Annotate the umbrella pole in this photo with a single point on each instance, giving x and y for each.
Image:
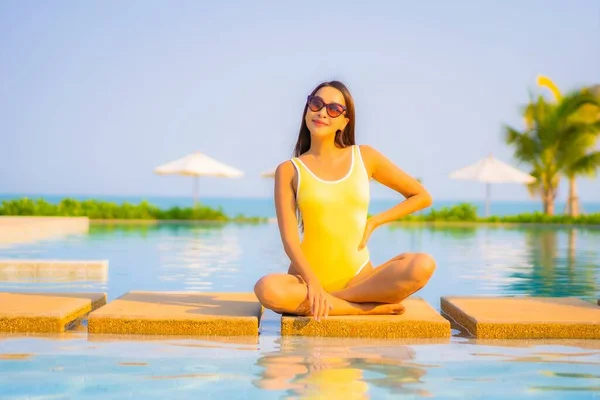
(195, 191)
(487, 199)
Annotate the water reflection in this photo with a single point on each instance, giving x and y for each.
(199, 256)
(194, 255)
(143, 229)
(503, 259)
(320, 368)
(554, 267)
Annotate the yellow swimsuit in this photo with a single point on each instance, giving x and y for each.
(334, 214)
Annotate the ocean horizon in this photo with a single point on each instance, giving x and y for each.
(265, 207)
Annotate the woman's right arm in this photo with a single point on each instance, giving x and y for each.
(285, 206)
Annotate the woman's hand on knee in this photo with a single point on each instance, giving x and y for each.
(318, 301)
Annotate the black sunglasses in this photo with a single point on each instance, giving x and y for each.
(334, 110)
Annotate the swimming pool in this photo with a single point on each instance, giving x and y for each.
(209, 257)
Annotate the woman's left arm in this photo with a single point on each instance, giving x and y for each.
(387, 173)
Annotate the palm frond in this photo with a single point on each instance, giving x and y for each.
(586, 165)
(535, 188)
(573, 101)
(525, 145)
(578, 135)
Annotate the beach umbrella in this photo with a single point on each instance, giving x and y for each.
(491, 170)
(268, 174)
(196, 165)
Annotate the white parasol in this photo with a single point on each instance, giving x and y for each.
(196, 165)
(491, 170)
(268, 174)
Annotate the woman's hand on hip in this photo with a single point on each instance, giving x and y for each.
(369, 228)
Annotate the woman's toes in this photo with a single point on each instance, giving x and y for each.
(398, 309)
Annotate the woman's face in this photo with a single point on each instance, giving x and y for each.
(320, 122)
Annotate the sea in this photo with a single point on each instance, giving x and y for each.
(265, 206)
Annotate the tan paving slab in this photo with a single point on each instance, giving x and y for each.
(179, 313)
(420, 320)
(27, 229)
(22, 270)
(45, 312)
(524, 317)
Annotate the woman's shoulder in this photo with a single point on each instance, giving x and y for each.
(285, 169)
(368, 152)
(366, 148)
(371, 157)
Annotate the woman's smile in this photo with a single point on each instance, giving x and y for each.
(319, 123)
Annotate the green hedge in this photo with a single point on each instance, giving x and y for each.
(95, 209)
(541, 218)
(466, 212)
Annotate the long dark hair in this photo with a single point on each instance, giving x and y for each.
(342, 139)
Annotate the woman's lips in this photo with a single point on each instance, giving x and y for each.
(319, 123)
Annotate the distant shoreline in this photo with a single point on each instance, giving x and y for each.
(102, 211)
(456, 224)
(264, 207)
(140, 197)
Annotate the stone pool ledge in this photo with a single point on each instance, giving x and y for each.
(27, 229)
(523, 317)
(419, 321)
(179, 313)
(33, 312)
(19, 270)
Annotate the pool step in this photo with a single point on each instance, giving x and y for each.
(420, 320)
(179, 313)
(45, 312)
(27, 229)
(239, 314)
(19, 270)
(524, 317)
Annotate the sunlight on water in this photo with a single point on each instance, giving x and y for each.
(204, 257)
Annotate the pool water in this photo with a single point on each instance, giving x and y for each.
(209, 257)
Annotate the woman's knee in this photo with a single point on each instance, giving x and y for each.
(423, 267)
(264, 288)
(417, 266)
(270, 292)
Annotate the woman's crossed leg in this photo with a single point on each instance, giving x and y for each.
(374, 291)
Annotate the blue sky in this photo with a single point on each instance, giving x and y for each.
(94, 95)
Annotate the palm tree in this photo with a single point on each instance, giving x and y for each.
(580, 161)
(549, 140)
(581, 158)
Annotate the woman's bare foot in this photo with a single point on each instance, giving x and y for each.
(363, 309)
(383, 309)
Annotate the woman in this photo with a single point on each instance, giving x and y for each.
(328, 183)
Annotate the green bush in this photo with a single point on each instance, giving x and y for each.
(96, 209)
(541, 218)
(465, 212)
(458, 212)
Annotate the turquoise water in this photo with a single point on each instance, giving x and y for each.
(208, 257)
(264, 207)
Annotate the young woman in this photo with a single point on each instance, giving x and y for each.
(328, 183)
